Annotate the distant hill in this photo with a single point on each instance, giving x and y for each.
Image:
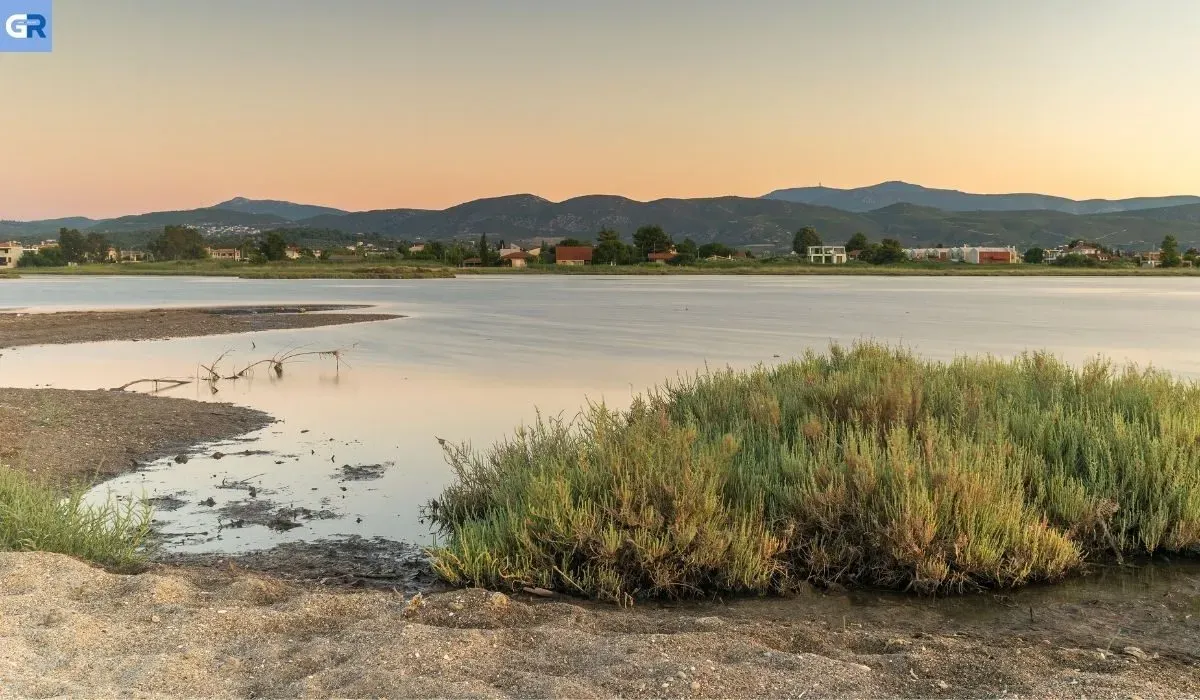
(769, 223)
(43, 228)
(274, 207)
(209, 216)
(740, 221)
(864, 199)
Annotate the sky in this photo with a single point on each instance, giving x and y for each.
(148, 105)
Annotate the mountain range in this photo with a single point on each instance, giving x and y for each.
(767, 222)
(862, 199)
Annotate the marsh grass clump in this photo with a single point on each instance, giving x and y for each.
(38, 517)
(861, 466)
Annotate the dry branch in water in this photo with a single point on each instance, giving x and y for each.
(165, 384)
(275, 363)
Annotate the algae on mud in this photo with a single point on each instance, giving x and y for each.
(864, 466)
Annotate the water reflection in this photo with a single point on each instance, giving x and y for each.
(475, 357)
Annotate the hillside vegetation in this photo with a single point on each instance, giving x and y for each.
(865, 466)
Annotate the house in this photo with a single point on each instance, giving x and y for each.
(418, 248)
(976, 255)
(10, 253)
(1151, 258)
(472, 262)
(827, 254)
(509, 249)
(131, 256)
(292, 252)
(517, 258)
(1087, 250)
(112, 255)
(234, 254)
(931, 254)
(664, 257)
(573, 255)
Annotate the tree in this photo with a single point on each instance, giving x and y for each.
(96, 247)
(610, 249)
(804, 238)
(857, 242)
(46, 257)
(651, 239)
(179, 243)
(273, 247)
(73, 245)
(886, 252)
(1035, 256)
(687, 253)
(484, 253)
(1170, 253)
(719, 250)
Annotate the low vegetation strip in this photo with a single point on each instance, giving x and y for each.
(36, 516)
(864, 466)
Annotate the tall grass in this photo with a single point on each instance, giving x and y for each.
(863, 466)
(38, 517)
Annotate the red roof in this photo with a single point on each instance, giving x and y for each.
(582, 253)
(655, 257)
(518, 255)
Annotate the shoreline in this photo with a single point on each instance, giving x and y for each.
(19, 329)
(402, 270)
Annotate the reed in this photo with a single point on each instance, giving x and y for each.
(861, 466)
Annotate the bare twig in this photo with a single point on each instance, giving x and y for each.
(166, 384)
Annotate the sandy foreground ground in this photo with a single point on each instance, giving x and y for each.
(17, 329)
(68, 629)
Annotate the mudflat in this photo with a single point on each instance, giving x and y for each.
(86, 436)
(17, 329)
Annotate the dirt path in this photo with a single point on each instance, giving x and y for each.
(67, 629)
(17, 329)
(91, 435)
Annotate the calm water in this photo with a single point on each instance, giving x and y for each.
(477, 356)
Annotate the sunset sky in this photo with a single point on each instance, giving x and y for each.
(364, 104)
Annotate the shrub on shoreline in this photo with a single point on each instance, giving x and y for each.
(39, 517)
(863, 466)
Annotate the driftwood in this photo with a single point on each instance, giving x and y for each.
(275, 363)
(165, 384)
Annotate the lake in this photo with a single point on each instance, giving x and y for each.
(477, 356)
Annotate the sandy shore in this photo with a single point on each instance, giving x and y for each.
(67, 629)
(17, 329)
(67, 436)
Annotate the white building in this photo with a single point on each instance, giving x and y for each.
(827, 254)
(10, 253)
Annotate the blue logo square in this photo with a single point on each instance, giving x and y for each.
(26, 26)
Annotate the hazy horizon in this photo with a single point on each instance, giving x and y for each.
(151, 105)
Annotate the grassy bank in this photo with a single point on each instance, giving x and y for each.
(282, 270)
(865, 466)
(35, 516)
(375, 269)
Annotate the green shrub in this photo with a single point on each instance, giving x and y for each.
(38, 517)
(862, 466)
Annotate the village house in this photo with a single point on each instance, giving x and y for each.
(418, 248)
(233, 254)
(131, 256)
(573, 255)
(292, 252)
(978, 255)
(472, 262)
(1087, 250)
(518, 258)
(664, 257)
(1152, 258)
(827, 254)
(10, 253)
